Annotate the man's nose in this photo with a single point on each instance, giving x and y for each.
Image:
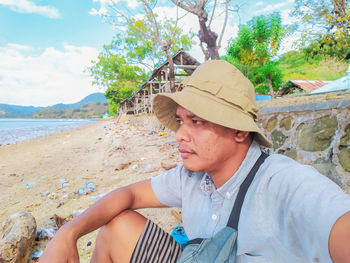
(182, 133)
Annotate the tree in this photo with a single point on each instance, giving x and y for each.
(326, 26)
(121, 79)
(125, 63)
(253, 51)
(147, 35)
(206, 35)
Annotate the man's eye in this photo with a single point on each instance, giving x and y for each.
(196, 121)
(179, 121)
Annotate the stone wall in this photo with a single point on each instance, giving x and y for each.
(316, 133)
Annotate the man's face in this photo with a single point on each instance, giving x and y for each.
(204, 146)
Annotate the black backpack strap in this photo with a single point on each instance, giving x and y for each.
(236, 210)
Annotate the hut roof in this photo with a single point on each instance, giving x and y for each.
(309, 85)
(181, 59)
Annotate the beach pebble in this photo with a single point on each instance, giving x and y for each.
(122, 166)
(12, 174)
(135, 166)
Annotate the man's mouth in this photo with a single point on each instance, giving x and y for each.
(185, 153)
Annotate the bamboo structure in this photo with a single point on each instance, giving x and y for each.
(158, 82)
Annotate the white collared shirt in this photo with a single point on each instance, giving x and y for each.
(286, 216)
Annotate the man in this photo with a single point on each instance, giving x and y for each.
(290, 213)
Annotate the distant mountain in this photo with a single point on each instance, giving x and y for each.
(15, 111)
(90, 99)
(92, 106)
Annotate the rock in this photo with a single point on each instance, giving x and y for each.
(345, 140)
(291, 153)
(168, 165)
(271, 124)
(344, 159)
(317, 137)
(327, 168)
(17, 234)
(287, 123)
(278, 139)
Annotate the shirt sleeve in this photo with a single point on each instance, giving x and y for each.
(167, 186)
(308, 206)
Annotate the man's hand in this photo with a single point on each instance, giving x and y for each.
(61, 249)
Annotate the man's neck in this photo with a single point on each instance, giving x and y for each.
(229, 166)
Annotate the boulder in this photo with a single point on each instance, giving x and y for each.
(17, 235)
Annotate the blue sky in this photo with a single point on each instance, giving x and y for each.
(45, 46)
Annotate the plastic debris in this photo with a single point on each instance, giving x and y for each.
(36, 255)
(147, 169)
(151, 132)
(63, 180)
(90, 186)
(95, 197)
(81, 191)
(44, 233)
(77, 212)
(31, 185)
(46, 193)
(89, 149)
(65, 184)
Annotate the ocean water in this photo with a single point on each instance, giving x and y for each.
(17, 130)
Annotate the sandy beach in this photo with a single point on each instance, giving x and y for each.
(107, 153)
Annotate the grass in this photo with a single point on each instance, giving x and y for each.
(296, 66)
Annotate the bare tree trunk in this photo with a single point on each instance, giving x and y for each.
(269, 83)
(171, 71)
(209, 37)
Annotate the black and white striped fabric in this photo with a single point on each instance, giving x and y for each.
(155, 245)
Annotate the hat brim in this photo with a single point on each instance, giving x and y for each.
(208, 107)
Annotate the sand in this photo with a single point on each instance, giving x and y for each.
(108, 153)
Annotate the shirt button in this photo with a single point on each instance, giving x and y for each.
(214, 217)
(228, 195)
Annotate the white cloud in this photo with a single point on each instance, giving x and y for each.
(51, 77)
(26, 6)
(275, 7)
(259, 3)
(103, 8)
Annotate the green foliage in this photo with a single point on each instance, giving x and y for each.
(325, 28)
(255, 47)
(117, 67)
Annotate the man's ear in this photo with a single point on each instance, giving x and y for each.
(241, 136)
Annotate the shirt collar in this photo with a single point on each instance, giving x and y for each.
(207, 184)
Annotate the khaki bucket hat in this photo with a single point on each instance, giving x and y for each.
(217, 92)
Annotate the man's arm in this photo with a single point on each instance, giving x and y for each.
(62, 247)
(339, 240)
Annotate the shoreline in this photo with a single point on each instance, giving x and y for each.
(36, 128)
(104, 152)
